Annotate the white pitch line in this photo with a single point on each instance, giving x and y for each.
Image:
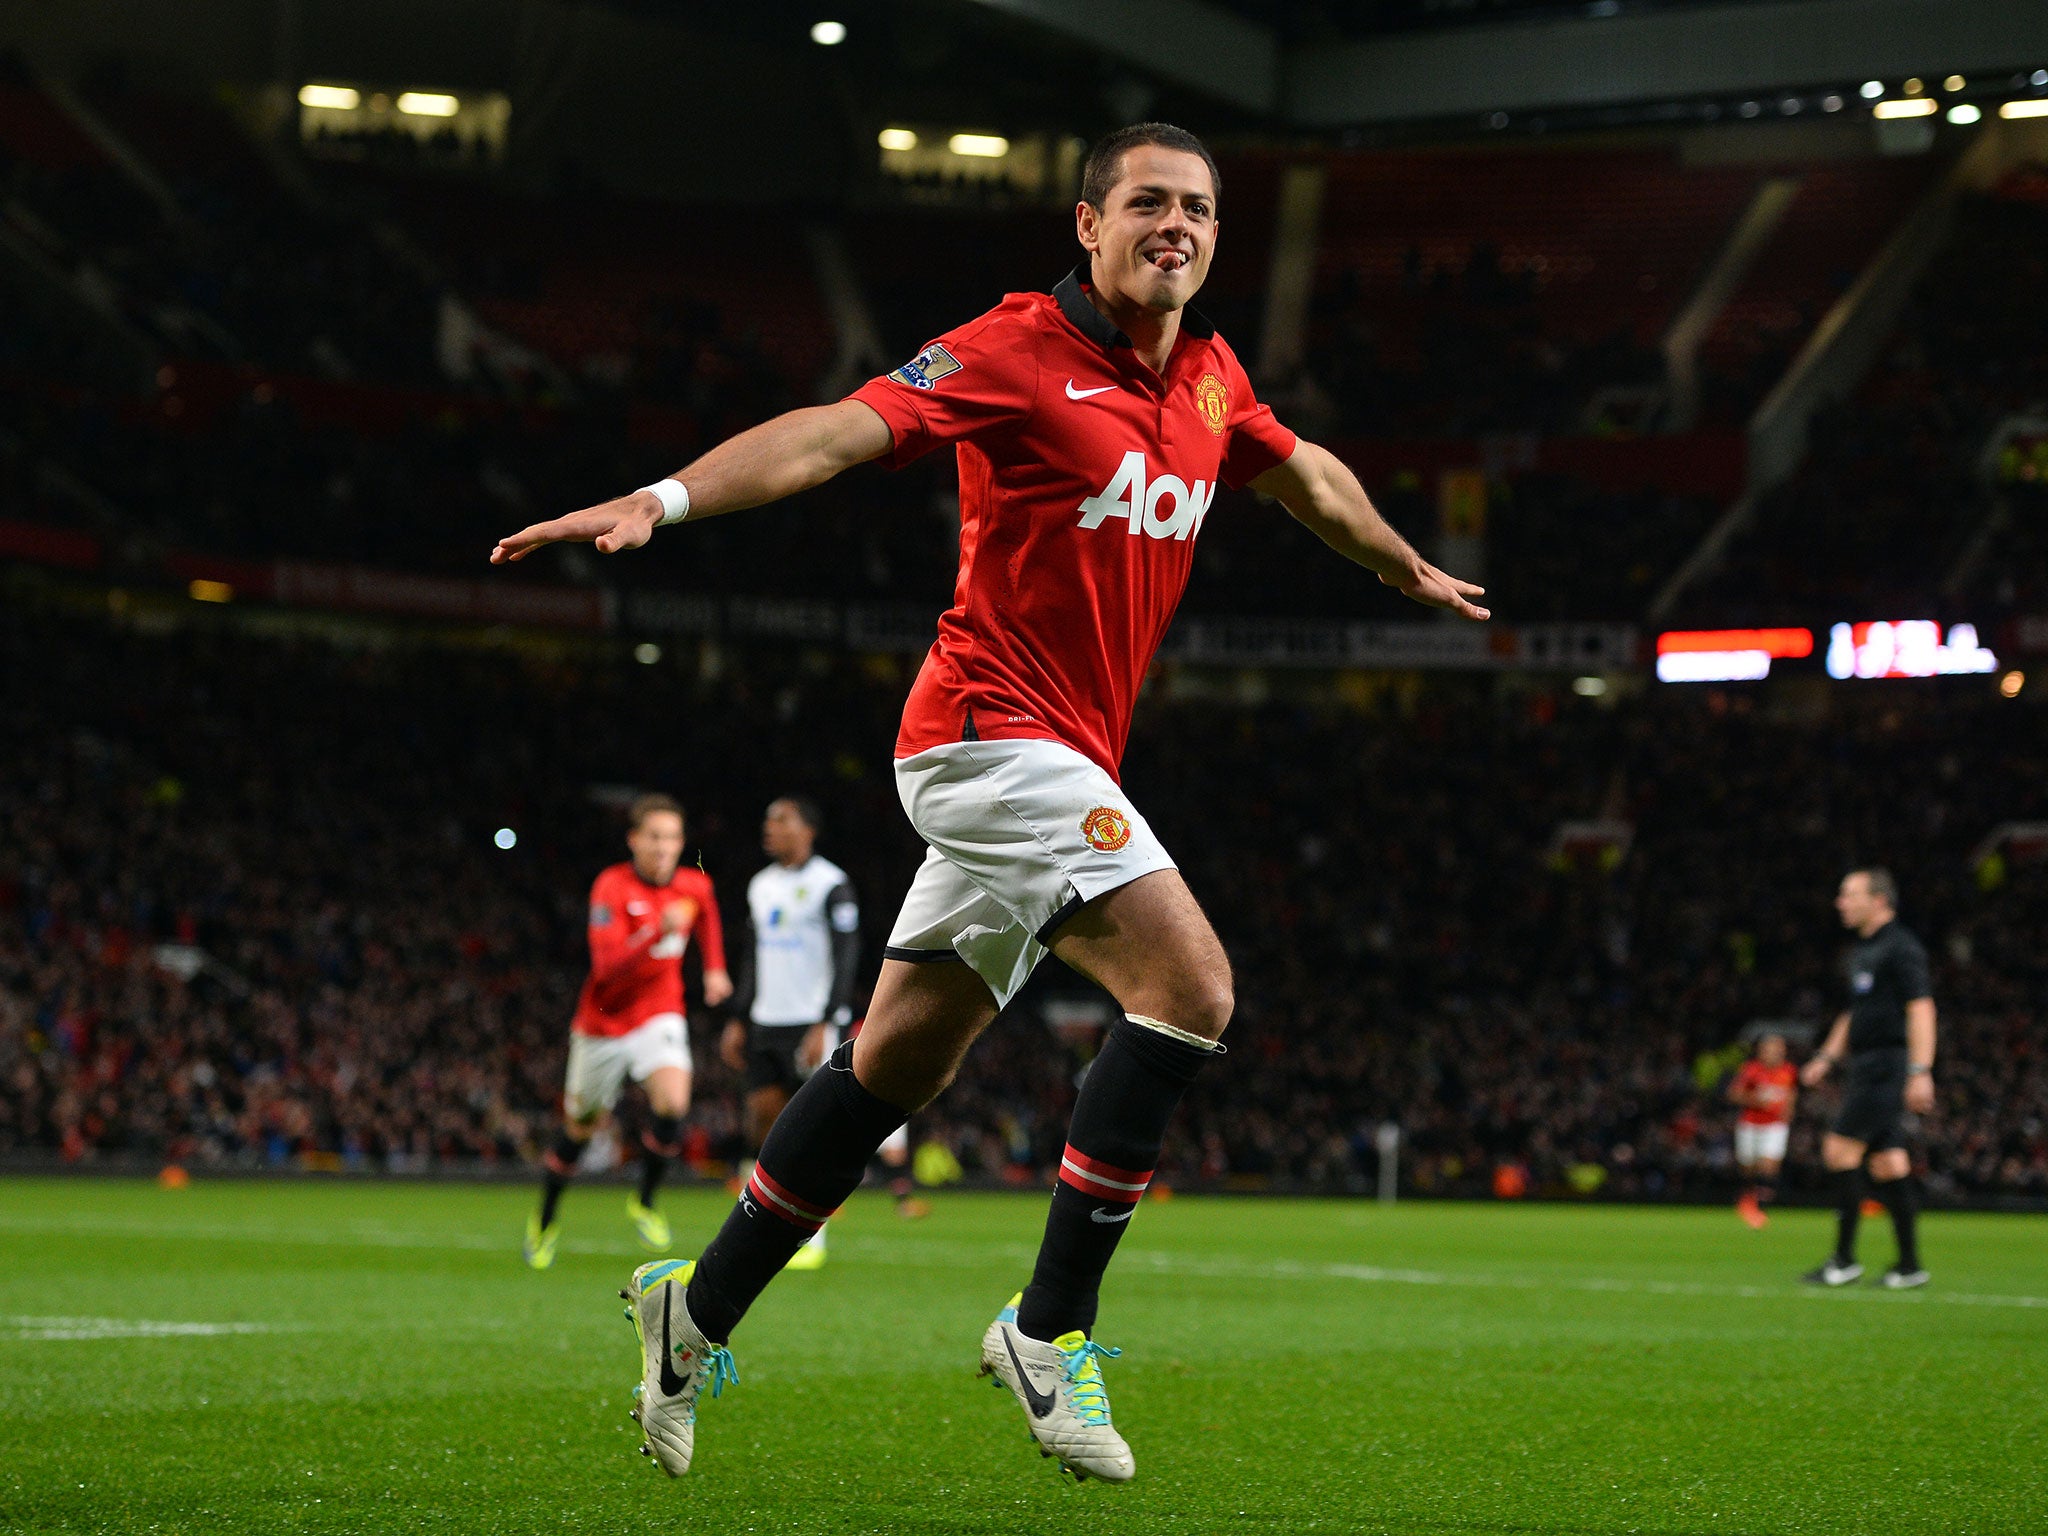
(979, 1256)
(43, 1328)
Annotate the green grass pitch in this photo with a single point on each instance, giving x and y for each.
(272, 1357)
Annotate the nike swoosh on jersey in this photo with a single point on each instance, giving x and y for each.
(1040, 1403)
(1083, 394)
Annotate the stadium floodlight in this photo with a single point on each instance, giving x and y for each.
(982, 146)
(1964, 114)
(336, 98)
(2011, 684)
(428, 104)
(506, 839)
(1831, 103)
(1589, 687)
(647, 653)
(2039, 77)
(1916, 106)
(2024, 109)
(896, 138)
(210, 592)
(1953, 84)
(1915, 86)
(1872, 89)
(828, 34)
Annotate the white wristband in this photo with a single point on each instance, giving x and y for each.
(674, 497)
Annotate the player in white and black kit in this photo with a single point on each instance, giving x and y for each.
(1887, 1035)
(795, 995)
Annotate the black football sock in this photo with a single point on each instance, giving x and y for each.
(1848, 1212)
(815, 1156)
(1903, 1201)
(662, 1140)
(1766, 1189)
(1113, 1143)
(558, 1165)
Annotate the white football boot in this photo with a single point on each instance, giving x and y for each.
(1060, 1387)
(678, 1362)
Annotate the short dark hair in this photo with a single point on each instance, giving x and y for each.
(806, 810)
(1880, 881)
(1105, 166)
(645, 806)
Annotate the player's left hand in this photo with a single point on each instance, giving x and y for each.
(717, 987)
(1425, 584)
(1920, 1093)
(624, 523)
(810, 1055)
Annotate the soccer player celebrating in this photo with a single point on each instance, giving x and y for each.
(629, 1020)
(1092, 426)
(1766, 1089)
(1887, 1035)
(796, 985)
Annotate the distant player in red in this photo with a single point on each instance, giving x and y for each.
(630, 1019)
(1767, 1088)
(1092, 425)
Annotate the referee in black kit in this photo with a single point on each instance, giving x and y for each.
(1887, 1036)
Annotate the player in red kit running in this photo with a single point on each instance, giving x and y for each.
(1767, 1088)
(630, 1020)
(1092, 426)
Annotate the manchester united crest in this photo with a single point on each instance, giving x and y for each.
(1106, 829)
(1213, 401)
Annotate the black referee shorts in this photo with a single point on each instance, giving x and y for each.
(772, 1055)
(1874, 1107)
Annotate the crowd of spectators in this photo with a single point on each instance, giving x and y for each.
(359, 978)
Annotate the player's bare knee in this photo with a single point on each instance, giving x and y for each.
(1200, 1002)
(1210, 1004)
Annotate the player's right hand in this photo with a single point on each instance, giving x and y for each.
(732, 1046)
(624, 523)
(1811, 1074)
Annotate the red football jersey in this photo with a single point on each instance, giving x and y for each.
(1084, 481)
(636, 971)
(1773, 1085)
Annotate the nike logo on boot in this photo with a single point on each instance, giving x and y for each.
(1040, 1403)
(671, 1383)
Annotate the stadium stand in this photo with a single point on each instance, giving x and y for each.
(386, 989)
(1894, 486)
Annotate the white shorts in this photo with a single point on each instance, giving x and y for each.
(1020, 834)
(1760, 1143)
(599, 1066)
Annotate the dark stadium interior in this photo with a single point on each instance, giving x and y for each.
(227, 350)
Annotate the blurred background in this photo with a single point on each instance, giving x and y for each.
(1711, 336)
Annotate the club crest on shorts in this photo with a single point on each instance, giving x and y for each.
(926, 369)
(1106, 829)
(1213, 401)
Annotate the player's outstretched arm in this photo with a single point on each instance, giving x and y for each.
(1326, 498)
(791, 453)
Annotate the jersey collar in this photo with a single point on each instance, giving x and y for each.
(1071, 294)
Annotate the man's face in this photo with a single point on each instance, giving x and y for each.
(1771, 1050)
(657, 846)
(1155, 233)
(1854, 901)
(785, 836)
